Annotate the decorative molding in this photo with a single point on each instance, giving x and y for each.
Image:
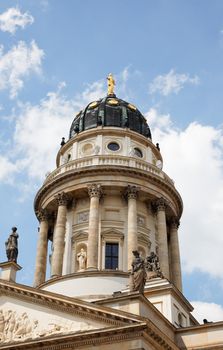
(131, 192)
(160, 204)
(82, 216)
(94, 190)
(112, 234)
(174, 222)
(65, 304)
(97, 337)
(62, 198)
(152, 179)
(142, 238)
(79, 236)
(42, 214)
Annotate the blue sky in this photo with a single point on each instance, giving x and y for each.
(167, 58)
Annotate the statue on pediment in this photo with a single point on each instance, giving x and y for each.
(11, 245)
(152, 266)
(138, 274)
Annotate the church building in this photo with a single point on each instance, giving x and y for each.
(107, 273)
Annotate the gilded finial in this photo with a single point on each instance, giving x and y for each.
(111, 84)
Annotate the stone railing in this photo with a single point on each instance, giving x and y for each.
(107, 160)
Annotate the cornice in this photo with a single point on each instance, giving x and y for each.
(136, 295)
(200, 327)
(91, 338)
(172, 289)
(99, 170)
(94, 338)
(84, 274)
(65, 304)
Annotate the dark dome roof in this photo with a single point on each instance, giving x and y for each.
(110, 111)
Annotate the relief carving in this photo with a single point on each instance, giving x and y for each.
(16, 327)
(83, 217)
(140, 220)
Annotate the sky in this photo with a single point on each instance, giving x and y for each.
(167, 59)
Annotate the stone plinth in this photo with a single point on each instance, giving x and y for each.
(8, 270)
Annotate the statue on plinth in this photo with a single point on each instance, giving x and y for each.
(153, 266)
(81, 258)
(11, 245)
(111, 84)
(138, 274)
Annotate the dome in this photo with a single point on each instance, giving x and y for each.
(110, 111)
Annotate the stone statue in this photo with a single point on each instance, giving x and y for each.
(138, 274)
(153, 266)
(81, 258)
(11, 245)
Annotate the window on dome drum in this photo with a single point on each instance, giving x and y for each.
(111, 256)
(113, 146)
(138, 152)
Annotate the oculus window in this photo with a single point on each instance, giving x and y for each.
(138, 152)
(113, 146)
(111, 256)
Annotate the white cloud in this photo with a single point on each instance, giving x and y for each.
(193, 157)
(39, 129)
(13, 18)
(18, 63)
(7, 169)
(171, 82)
(209, 311)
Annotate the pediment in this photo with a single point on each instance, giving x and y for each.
(29, 314)
(112, 233)
(79, 235)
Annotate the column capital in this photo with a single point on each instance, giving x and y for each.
(62, 198)
(42, 214)
(174, 222)
(131, 192)
(160, 204)
(94, 190)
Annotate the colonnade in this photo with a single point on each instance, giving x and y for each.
(95, 192)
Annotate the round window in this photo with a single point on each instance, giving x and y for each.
(113, 146)
(87, 149)
(138, 152)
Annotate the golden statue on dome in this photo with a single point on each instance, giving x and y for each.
(111, 84)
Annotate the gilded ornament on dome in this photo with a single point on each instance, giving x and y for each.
(132, 107)
(112, 101)
(93, 104)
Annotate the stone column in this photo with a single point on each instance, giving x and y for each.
(131, 195)
(175, 254)
(59, 235)
(41, 257)
(95, 192)
(162, 237)
(67, 259)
